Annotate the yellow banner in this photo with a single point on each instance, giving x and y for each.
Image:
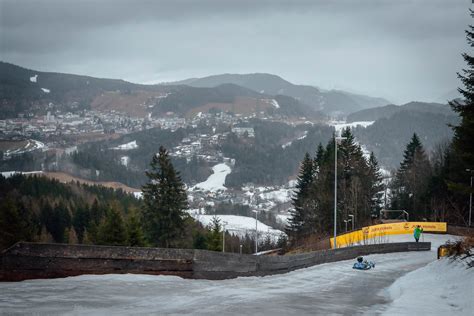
(378, 231)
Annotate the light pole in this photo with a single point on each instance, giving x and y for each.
(256, 232)
(470, 199)
(347, 221)
(352, 220)
(223, 236)
(336, 138)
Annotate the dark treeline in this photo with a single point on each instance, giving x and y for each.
(262, 160)
(35, 208)
(359, 190)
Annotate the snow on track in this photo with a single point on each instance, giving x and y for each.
(333, 288)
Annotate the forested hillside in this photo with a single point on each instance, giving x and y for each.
(388, 136)
(387, 111)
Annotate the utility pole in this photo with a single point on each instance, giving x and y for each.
(223, 236)
(256, 233)
(470, 200)
(335, 187)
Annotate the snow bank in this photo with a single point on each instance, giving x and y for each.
(34, 78)
(240, 225)
(443, 287)
(127, 146)
(46, 90)
(216, 181)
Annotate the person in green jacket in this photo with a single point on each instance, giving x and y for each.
(418, 231)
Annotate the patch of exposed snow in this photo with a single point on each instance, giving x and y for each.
(138, 194)
(275, 103)
(283, 218)
(8, 174)
(34, 78)
(216, 181)
(280, 196)
(127, 146)
(303, 136)
(124, 160)
(338, 125)
(30, 146)
(46, 90)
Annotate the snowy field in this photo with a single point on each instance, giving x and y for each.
(411, 283)
(216, 180)
(240, 225)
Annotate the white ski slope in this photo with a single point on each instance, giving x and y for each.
(333, 288)
(216, 180)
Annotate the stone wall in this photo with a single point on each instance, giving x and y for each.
(35, 260)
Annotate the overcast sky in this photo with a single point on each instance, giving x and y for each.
(399, 49)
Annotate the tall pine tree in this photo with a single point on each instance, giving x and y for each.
(165, 202)
(463, 140)
(410, 187)
(301, 208)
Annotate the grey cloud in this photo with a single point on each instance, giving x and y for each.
(402, 50)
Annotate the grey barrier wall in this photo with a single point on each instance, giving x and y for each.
(25, 261)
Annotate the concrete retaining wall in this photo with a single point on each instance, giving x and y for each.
(34, 260)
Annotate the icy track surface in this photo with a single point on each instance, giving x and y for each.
(333, 288)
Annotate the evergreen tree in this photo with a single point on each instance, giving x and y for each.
(80, 221)
(135, 237)
(164, 202)
(410, 187)
(463, 140)
(301, 202)
(461, 156)
(13, 226)
(376, 185)
(199, 240)
(112, 230)
(214, 241)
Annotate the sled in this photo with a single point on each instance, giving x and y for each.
(366, 266)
